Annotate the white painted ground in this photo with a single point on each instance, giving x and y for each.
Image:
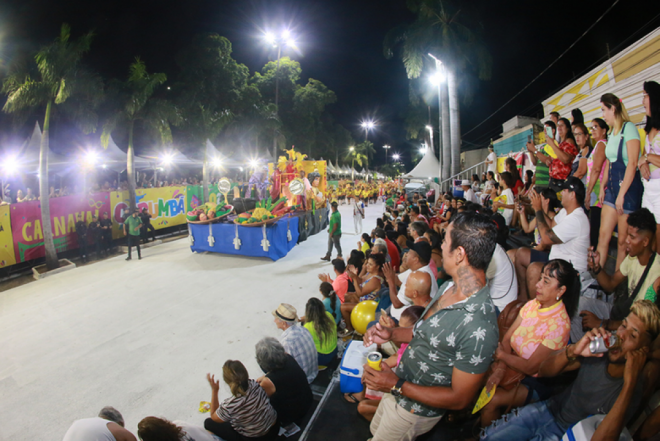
(141, 335)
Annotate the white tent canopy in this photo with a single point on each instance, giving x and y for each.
(427, 168)
(29, 156)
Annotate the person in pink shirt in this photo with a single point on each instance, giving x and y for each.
(342, 280)
(543, 326)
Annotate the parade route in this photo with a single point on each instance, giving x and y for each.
(141, 335)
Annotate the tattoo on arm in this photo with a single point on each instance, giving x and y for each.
(544, 228)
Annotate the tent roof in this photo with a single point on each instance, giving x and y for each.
(29, 156)
(427, 168)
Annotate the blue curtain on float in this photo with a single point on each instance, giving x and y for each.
(223, 235)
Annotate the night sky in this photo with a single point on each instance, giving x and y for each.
(341, 45)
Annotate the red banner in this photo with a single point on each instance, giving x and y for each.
(64, 212)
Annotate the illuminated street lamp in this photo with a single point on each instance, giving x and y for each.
(367, 125)
(9, 167)
(386, 147)
(284, 40)
(396, 156)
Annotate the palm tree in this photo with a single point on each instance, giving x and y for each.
(59, 81)
(136, 104)
(367, 150)
(355, 156)
(441, 30)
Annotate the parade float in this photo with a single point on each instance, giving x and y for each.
(281, 206)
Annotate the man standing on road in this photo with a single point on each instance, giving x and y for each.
(145, 217)
(132, 226)
(106, 233)
(358, 213)
(81, 231)
(334, 233)
(450, 347)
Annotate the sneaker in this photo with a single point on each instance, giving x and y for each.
(139, 257)
(128, 258)
(326, 258)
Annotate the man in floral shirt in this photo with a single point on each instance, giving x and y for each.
(451, 346)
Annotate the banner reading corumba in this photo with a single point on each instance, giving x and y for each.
(27, 230)
(166, 206)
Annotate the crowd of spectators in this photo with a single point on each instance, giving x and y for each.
(518, 322)
(463, 313)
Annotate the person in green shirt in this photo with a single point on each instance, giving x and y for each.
(334, 233)
(540, 160)
(323, 328)
(132, 227)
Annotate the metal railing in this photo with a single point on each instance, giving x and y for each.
(478, 169)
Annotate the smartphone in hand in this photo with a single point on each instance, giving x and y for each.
(548, 132)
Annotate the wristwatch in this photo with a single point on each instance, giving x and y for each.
(396, 390)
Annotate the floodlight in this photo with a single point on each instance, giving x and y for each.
(167, 159)
(10, 165)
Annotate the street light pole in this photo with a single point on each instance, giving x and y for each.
(277, 96)
(386, 147)
(438, 68)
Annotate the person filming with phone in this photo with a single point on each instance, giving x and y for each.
(608, 382)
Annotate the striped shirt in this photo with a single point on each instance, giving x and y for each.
(250, 415)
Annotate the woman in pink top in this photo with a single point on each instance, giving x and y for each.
(649, 164)
(543, 326)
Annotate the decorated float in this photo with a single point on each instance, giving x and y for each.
(280, 206)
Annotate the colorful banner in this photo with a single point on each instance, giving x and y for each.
(27, 230)
(7, 255)
(166, 206)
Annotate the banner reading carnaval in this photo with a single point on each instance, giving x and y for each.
(166, 206)
(27, 230)
(7, 255)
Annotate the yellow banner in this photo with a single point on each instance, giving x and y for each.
(167, 206)
(7, 255)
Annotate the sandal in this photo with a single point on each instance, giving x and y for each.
(349, 398)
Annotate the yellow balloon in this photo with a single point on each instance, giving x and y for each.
(363, 314)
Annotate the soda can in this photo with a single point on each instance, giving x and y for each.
(374, 359)
(600, 345)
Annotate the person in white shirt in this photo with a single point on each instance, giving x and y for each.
(501, 278)
(505, 203)
(416, 259)
(108, 426)
(491, 160)
(468, 193)
(567, 233)
(358, 213)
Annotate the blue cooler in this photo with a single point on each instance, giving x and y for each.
(458, 190)
(355, 356)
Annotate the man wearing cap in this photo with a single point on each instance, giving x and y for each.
(132, 226)
(468, 193)
(297, 340)
(334, 232)
(567, 234)
(416, 259)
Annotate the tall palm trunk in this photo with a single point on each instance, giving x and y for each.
(446, 148)
(130, 169)
(51, 253)
(205, 178)
(455, 126)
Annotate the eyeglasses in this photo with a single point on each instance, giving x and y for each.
(578, 134)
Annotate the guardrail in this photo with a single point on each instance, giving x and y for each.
(478, 169)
